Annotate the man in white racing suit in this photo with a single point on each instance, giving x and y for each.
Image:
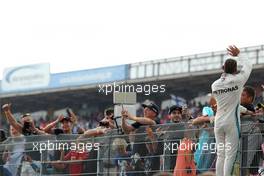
(227, 90)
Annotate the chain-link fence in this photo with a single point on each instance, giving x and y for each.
(178, 148)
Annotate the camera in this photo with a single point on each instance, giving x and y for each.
(104, 124)
(27, 125)
(26, 128)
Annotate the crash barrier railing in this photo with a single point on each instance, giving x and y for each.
(173, 147)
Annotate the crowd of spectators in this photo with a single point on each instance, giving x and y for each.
(132, 155)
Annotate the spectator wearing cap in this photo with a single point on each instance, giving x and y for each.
(67, 125)
(175, 113)
(151, 111)
(174, 135)
(149, 158)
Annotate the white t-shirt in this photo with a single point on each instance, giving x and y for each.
(17, 151)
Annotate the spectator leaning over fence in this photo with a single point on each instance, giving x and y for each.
(247, 98)
(252, 139)
(227, 91)
(173, 134)
(151, 111)
(204, 157)
(175, 114)
(104, 126)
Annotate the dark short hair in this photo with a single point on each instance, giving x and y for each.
(109, 111)
(230, 66)
(250, 92)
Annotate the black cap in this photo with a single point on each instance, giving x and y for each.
(66, 118)
(175, 107)
(151, 106)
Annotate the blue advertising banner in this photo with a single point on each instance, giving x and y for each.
(73, 79)
(92, 76)
(26, 77)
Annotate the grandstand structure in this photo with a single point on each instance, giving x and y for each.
(33, 89)
(186, 76)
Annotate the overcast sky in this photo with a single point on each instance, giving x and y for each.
(75, 35)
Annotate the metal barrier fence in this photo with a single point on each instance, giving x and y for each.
(174, 147)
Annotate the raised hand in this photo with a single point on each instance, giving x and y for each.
(124, 113)
(6, 107)
(60, 117)
(233, 50)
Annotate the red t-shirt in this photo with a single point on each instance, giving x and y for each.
(76, 167)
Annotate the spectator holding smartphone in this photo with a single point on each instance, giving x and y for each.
(151, 111)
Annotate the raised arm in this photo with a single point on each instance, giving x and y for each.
(125, 127)
(73, 116)
(93, 133)
(51, 125)
(141, 120)
(10, 118)
(245, 62)
(200, 120)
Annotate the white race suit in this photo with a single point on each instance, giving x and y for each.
(227, 91)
